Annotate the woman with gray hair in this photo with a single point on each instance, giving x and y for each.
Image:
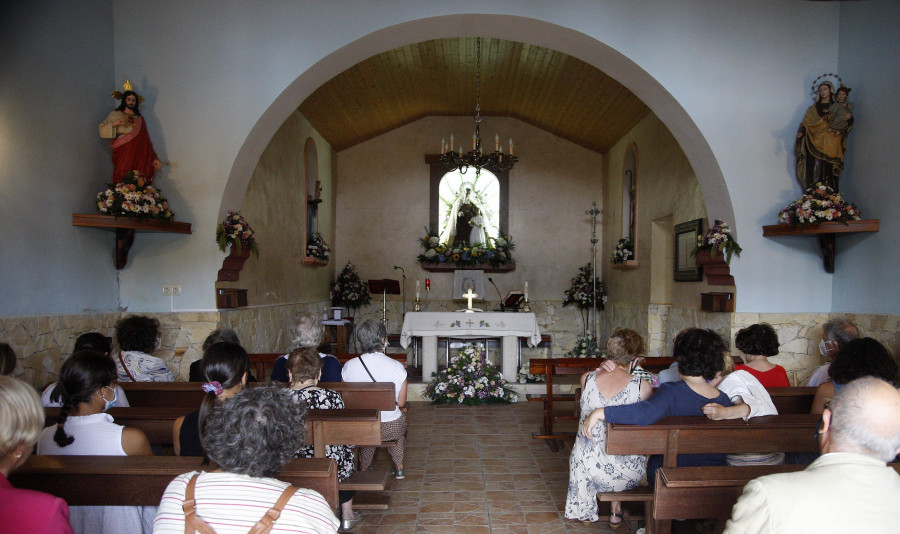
(250, 438)
(21, 421)
(374, 366)
(308, 331)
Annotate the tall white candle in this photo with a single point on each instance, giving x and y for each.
(451, 142)
(526, 289)
(510, 146)
(417, 289)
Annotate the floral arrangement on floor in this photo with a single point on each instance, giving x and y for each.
(585, 348)
(134, 197)
(234, 230)
(495, 253)
(718, 239)
(819, 204)
(524, 377)
(317, 247)
(470, 379)
(581, 294)
(624, 251)
(348, 290)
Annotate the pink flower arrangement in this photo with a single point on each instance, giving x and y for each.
(237, 232)
(819, 204)
(132, 198)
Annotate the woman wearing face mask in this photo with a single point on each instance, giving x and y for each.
(87, 386)
(138, 336)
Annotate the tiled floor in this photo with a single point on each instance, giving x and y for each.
(477, 470)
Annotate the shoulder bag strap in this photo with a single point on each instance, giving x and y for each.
(192, 523)
(367, 369)
(264, 525)
(127, 372)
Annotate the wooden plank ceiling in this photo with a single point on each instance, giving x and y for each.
(547, 89)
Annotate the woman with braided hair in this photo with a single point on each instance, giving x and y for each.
(87, 386)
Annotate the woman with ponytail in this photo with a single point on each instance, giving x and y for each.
(225, 367)
(87, 386)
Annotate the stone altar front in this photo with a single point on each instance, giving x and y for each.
(508, 326)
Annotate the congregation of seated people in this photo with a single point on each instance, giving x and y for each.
(250, 433)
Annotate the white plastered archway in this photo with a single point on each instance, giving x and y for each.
(512, 28)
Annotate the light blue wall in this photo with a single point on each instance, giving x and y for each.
(729, 79)
(867, 264)
(56, 73)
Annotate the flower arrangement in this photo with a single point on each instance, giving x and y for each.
(585, 347)
(234, 230)
(495, 253)
(348, 290)
(718, 239)
(524, 377)
(624, 251)
(820, 203)
(581, 294)
(134, 197)
(316, 247)
(470, 379)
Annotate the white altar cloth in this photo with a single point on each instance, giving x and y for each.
(509, 326)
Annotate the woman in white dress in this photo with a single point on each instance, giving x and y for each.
(87, 384)
(591, 470)
(476, 236)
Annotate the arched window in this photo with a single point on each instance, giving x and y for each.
(629, 195)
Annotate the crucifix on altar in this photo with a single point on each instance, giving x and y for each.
(469, 295)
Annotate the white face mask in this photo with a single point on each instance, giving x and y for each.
(822, 349)
(158, 342)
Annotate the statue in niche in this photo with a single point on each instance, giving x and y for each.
(464, 214)
(822, 137)
(476, 236)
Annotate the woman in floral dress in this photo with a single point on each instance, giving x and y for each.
(304, 369)
(591, 470)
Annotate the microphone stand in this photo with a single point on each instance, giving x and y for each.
(500, 295)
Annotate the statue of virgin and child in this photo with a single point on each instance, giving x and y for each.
(822, 137)
(465, 222)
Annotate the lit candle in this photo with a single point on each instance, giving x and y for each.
(526, 289)
(474, 142)
(451, 142)
(427, 284)
(497, 142)
(510, 146)
(417, 289)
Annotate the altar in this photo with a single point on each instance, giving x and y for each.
(508, 326)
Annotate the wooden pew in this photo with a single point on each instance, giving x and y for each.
(672, 436)
(793, 399)
(378, 395)
(708, 492)
(141, 480)
(262, 364)
(551, 367)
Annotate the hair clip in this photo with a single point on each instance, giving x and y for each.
(213, 387)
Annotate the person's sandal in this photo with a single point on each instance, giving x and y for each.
(618, 523)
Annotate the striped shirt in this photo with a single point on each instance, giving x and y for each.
(233, 503)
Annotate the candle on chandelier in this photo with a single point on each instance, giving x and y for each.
(510, 146)
(417, 289)
(474, 142)
(451, 142)
(497, 142)
(443, 145)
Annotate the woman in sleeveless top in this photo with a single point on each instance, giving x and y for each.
(591, 470)
(87, 385)
(225, 367)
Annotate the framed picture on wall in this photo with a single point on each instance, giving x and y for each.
(686, 267)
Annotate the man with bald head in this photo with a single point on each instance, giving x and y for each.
(847, 489)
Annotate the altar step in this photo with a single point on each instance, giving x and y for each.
(415, 390)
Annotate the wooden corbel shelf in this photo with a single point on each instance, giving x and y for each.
(486, 267)
(309, 260)
(826, 232)
(125, 228)
(626, 265)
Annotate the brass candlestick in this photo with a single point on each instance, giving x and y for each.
(526, 307)
(417, 306)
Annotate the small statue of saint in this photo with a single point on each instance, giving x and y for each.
(822, 137)
(128, 137)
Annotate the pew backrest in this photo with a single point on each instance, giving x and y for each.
(672, 436)
(141, 480)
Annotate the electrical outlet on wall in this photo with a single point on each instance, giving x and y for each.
(169, 291)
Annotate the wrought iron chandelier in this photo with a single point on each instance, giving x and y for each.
(452, 160)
